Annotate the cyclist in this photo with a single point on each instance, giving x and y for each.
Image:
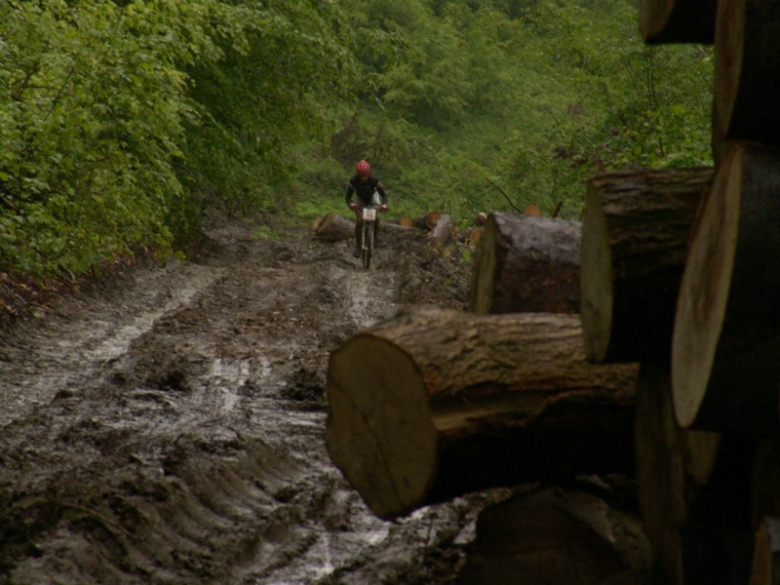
(370, 191)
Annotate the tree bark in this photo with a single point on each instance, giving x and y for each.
(526, 264)
(747, 81)
(725, 371)
(436, 403)
(442, 232)
(635, 234)
(556, 536)
(677, 21)
(671, 466)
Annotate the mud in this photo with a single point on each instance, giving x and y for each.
(168, 426)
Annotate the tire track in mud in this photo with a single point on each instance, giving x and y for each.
(183, 440)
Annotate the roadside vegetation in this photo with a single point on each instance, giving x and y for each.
(123, 120)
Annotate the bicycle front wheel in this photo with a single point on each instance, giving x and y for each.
(368, 243)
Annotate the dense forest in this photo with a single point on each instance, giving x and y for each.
(123, 120)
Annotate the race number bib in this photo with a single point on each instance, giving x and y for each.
(369, 214)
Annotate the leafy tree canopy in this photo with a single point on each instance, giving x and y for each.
(122, 120)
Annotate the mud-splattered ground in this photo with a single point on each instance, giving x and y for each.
(169, 427)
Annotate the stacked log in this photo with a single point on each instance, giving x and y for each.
(433, 404)
(679, 270)
(557, 536)
(746, 75)
(526, 264)
(727, 330)
(635, 233)
(677, 21)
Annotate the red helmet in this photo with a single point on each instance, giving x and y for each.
(363, 169)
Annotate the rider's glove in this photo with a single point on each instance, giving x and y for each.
(383, 208)
(353, 206)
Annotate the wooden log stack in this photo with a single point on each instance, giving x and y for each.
(636, 227)
(675, 355)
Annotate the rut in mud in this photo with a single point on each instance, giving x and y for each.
(169, 427)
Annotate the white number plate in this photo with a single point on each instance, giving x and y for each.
(369, 214)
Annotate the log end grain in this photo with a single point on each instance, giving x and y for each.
(383, 442)
(704, 290)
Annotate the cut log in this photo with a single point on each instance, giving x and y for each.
(533, 210)
(334, 228)
(677, 21)
(480, 219)
(475, 234)
(747, 80)
(405, 221)
(635, 234)
(443, 230)
(526, 264)
(671, 466)
(766, 553)
(316, 223)
(556, 536)
(436, 403)
(725, 371)
(427, 221)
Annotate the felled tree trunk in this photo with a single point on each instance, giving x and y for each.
(334, 228)
(671, 466)
(747, 80)
(725, 367)
(442, 231)
(677, 21)
(556, 536)
(437, 403)
(635, 234)
(526, 264)
(427, 221)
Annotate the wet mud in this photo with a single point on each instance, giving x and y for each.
(168, 426)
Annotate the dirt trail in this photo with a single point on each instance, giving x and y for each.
(170, 428)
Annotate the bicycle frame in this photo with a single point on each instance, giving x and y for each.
(369, 217)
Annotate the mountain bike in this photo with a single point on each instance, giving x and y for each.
(368, 234)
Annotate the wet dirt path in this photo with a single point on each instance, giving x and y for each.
(171, 428)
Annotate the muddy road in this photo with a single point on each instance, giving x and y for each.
(168, 427)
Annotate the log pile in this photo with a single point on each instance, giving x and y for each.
(670, 375)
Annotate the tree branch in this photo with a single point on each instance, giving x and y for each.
(500, 190)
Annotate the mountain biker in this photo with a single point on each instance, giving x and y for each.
(370, 191)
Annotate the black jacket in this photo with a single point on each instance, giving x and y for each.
(365, 190)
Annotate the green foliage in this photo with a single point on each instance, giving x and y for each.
(121, 120)
(532, 96)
